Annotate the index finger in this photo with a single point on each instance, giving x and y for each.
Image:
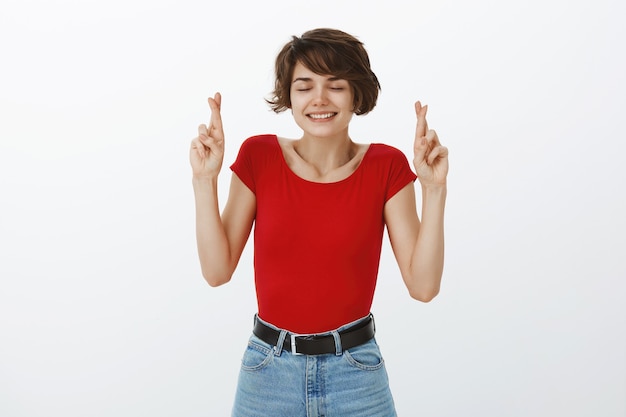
(422, 124)
(215, 104)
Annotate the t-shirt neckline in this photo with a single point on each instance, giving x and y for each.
(293, 174)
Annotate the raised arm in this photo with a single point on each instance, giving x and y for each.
(419, 247)
(220, 238)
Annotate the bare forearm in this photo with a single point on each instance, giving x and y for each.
(213, 248)
(428, 256)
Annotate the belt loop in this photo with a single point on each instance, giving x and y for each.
(338, 348)
(279, 344)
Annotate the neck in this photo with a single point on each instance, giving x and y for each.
(326, 154)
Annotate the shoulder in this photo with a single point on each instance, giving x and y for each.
(256, 153)
(392, 165)
(260, 141)
(386, 153)
(258, 145)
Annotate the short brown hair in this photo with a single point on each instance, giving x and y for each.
(326, 52)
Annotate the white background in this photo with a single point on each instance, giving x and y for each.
(103, 311)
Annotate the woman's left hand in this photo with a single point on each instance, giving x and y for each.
(431, 159)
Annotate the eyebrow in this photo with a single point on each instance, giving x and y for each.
(308, 79)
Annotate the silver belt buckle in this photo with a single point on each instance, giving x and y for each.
(293, 344)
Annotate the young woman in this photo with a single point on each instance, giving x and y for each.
(319, 205)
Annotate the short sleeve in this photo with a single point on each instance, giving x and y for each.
(243, 165)
(400, 173)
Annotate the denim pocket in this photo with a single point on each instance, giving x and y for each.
(256, 356)
(366, 356)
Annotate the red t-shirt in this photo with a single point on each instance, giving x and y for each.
(317, 245)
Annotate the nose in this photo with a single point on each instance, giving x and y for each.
(319, 97)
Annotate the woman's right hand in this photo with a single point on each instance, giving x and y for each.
(207, 149)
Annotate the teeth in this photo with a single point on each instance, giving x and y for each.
(321, 116)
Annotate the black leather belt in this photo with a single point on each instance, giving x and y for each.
(355, 335)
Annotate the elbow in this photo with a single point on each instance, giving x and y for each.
(423, 285)
(216, 274)
(424, 295)
(215, 283)
(215, 280)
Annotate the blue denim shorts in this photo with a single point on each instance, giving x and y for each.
(276, 383)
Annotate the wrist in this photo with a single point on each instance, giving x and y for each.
(435, 189)
(203, 180)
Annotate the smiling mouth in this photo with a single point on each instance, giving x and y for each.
(321, 116)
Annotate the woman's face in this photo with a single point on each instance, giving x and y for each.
(322, 105)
